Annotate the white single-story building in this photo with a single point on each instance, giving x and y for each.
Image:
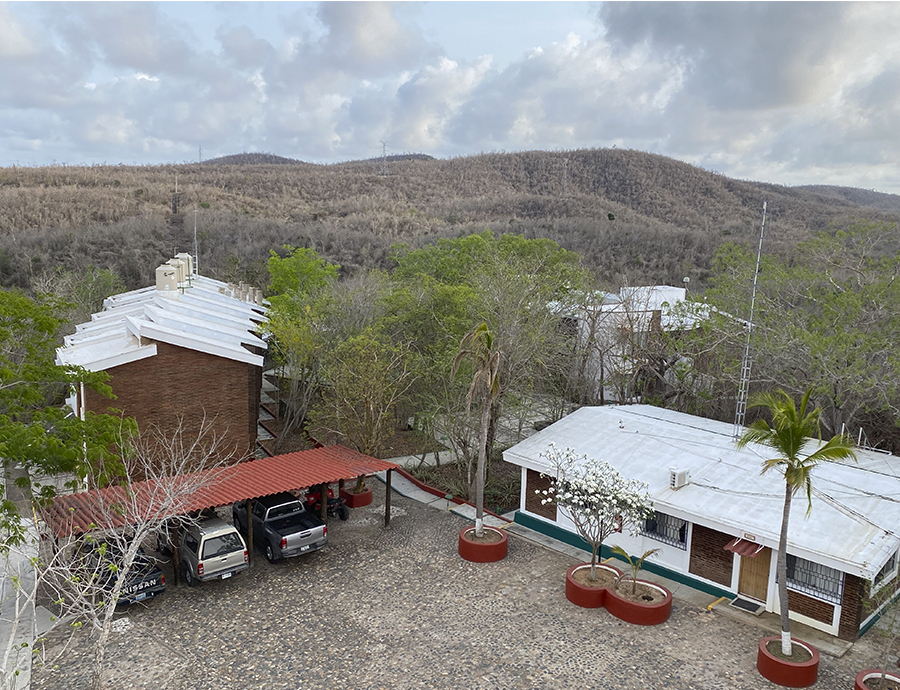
(718, 518)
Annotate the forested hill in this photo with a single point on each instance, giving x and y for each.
(635, 217)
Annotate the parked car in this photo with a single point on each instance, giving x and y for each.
(211, 550)
(282, 526)
(144, 579)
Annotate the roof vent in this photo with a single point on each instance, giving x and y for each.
(678, 478)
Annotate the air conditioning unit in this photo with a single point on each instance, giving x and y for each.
(678, 478)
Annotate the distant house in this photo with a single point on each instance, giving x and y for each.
(612, 333)
(718, 519)
(184, 350)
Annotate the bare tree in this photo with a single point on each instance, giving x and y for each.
(86, 568)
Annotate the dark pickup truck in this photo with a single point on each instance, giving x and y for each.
(143, 581)
(282, 527)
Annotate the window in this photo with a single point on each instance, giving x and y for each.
(667, 529)
(222, 545)
(887, 572)
(815, 579)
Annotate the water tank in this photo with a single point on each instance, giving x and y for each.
(167, 279)
(188, 262)
(179, 266)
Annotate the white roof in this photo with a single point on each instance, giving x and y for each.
(198, 318)
(855, 506)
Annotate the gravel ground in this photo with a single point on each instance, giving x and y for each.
(397, 608)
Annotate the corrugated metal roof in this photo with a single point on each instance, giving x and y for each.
(81, 512)
(742, 547)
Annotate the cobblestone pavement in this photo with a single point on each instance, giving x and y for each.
(397, 608)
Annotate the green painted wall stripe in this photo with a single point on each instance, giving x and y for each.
(573, 539)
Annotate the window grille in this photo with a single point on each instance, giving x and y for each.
(815, 579)
(887, 572)
(667, 529)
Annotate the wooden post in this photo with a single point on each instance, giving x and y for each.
(323, 494)
(249, 530)
(387, 499)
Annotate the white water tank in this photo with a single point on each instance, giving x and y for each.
(188, 262)
(167, 279)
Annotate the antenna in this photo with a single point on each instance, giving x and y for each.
(196, 251)
(383, 158)
(747, 361)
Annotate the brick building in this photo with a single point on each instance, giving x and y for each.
(718, 519)
(182, 351)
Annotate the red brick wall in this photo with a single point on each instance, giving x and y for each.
(535, 482)
(178, 382)
(851, 607)
(811, 608)
(709, 558)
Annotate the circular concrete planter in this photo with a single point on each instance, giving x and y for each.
(787, 673)
(872, 674)
(582, 595)
(637, 612)
(353, 500)
(481, 552)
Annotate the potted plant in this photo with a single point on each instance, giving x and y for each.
(792, 430)
(643, 603)
(360, 495)
(889, 629)
(481, 544)
(599, 501)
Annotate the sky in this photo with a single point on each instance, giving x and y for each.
(790, 93)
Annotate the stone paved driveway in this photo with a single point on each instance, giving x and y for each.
(397, 608)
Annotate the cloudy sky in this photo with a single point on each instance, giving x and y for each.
(794, 93)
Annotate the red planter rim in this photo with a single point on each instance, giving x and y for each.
(478, 552)
(789, 674)
(872, 673)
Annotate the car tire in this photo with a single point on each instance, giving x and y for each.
(189, 579)
(345, 512)
(270, 553)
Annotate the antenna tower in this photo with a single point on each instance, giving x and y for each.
(383, 158)
(747, 361)
(196, 250)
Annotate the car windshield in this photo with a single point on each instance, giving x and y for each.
(222, 544)
(282, 510)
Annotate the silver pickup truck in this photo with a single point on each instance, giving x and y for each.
(212, 550)
(282, 527)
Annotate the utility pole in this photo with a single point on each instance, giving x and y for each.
(383, 158)
(747, 361)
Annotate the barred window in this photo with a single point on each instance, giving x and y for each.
(815, 579)
(667, 529)
(887, 572)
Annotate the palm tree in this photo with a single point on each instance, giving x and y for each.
(478, 346)
(793, 430)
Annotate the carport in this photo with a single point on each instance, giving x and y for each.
(81, 512)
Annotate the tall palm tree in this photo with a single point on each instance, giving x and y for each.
(792, 432)
(478, 346)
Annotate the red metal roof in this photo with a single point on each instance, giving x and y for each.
(743, 547)
(289, 472)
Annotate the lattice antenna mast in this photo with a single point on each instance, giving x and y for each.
(747, 361)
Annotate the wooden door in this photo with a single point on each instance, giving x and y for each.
(754, 577)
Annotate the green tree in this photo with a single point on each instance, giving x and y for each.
(478, 348)
(37, 432)
(366, 379)
(294, 278)
(794, 430)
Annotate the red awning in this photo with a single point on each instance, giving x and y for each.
(742, 547)
(81, 512)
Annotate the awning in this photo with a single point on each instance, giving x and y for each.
(81, 512)
(742, 547)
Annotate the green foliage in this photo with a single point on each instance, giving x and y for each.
(294, 278)
(36, 431)
(635, 563)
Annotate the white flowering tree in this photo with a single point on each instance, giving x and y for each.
(599, 500)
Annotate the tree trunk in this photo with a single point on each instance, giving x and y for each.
(782, 573)
(482, 457)
(594, 562)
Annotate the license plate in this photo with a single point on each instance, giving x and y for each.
(140, 597)
(304, 548)
(226, 576)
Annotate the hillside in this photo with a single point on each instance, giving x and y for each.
(635, 217)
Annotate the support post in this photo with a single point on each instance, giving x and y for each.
(176, 559)
(387, 499)
(323, 495)
(249, 530)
